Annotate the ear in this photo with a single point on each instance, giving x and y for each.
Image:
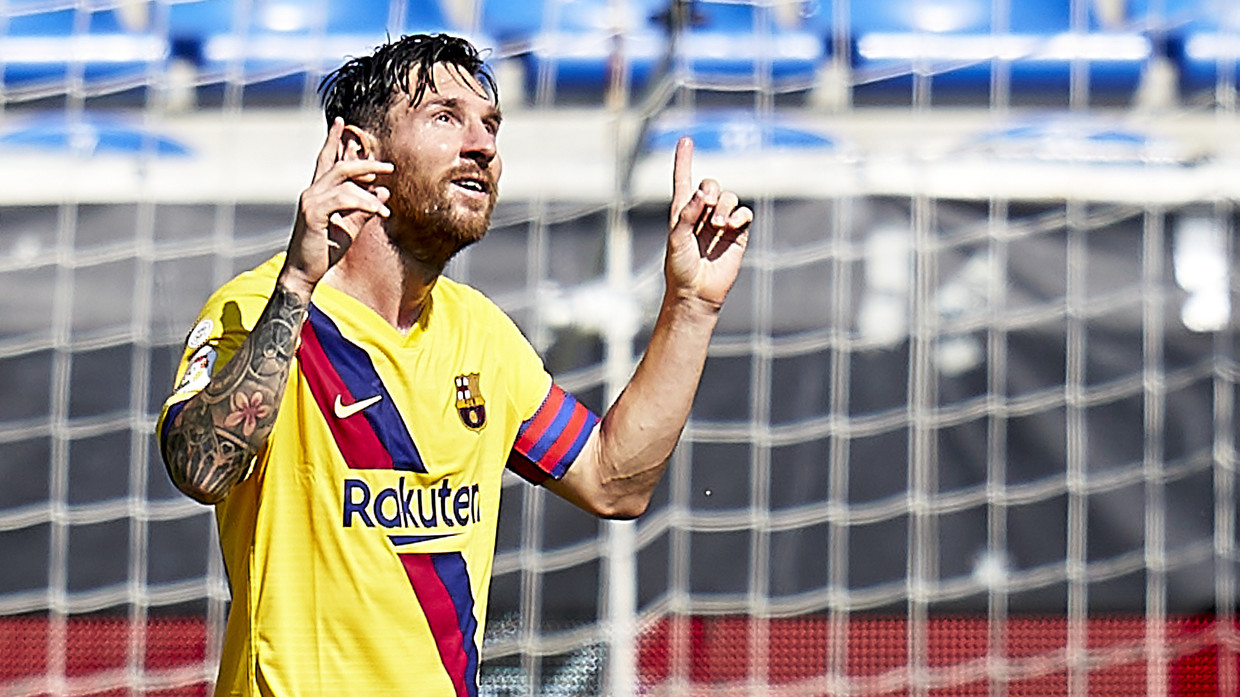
(356, 144)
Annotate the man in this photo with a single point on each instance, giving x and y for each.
(349, 411)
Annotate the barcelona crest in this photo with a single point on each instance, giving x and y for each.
(469, 402)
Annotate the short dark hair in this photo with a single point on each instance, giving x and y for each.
(362, 90)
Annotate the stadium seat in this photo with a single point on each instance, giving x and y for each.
(575, 46)
(732, 44)
(45, 46)
(1201, 37)
(89, 135)
(958, 43)
(1076, 139)
(281, 42)
(734, 132)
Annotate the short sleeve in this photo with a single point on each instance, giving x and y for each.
(221, 327)
(554, 424)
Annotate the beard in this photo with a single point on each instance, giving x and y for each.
(430, 225)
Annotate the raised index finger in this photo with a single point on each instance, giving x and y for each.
(331, 149)
(682, 176)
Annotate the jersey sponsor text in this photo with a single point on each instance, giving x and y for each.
(438, 505)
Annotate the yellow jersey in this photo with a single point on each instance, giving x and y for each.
(359, 545)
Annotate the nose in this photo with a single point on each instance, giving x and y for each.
(480, 145)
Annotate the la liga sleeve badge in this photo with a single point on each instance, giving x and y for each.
(470, 405)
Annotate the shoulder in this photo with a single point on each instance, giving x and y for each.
(261, 278)
(469, 304)
(248, 287)
(470, 313)
(507, 356)
(457, 292)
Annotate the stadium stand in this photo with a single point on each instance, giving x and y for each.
(90, 134)
(280, 45)
(1199, 36)
(581, 47)
(1037, 50)
(56, 47)
(575, 48)
(729, 131)
(729, 45)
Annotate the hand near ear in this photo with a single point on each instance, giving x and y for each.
(341, 198)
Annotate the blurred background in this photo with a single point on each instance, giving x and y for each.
(968, 426)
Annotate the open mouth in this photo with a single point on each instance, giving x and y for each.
(474, 185)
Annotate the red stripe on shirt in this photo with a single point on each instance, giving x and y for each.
(355, 438)
(440, 614)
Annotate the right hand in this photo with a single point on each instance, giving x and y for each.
(341, 198)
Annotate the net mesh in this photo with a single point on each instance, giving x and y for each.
(967, 425)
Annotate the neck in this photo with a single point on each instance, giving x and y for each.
(417, 280)
(393, 283)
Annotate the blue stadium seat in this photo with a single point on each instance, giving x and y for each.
(89, 135)
(735, 132)
(576, 45)
(281, 42)
(1076, 139)
(511, 22)
(735, 44)
(957, 43)
(44, 46)
(1202, 37)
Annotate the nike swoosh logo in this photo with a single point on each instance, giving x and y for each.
(344, 411)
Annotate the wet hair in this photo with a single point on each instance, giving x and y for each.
(362, 90)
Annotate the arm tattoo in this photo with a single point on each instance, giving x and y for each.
(212, 442)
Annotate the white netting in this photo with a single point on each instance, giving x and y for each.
(968, 425)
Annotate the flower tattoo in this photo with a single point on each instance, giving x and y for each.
(247, 412)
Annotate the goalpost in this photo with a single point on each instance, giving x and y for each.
(967, 427)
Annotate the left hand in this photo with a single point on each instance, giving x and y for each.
(708, 234)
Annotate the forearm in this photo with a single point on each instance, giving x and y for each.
(210, 444)
(638, 433)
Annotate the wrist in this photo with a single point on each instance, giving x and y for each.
(296, 282)
(687, 305)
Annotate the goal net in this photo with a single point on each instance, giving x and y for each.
(968, 422)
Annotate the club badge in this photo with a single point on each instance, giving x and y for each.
(469, 402)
